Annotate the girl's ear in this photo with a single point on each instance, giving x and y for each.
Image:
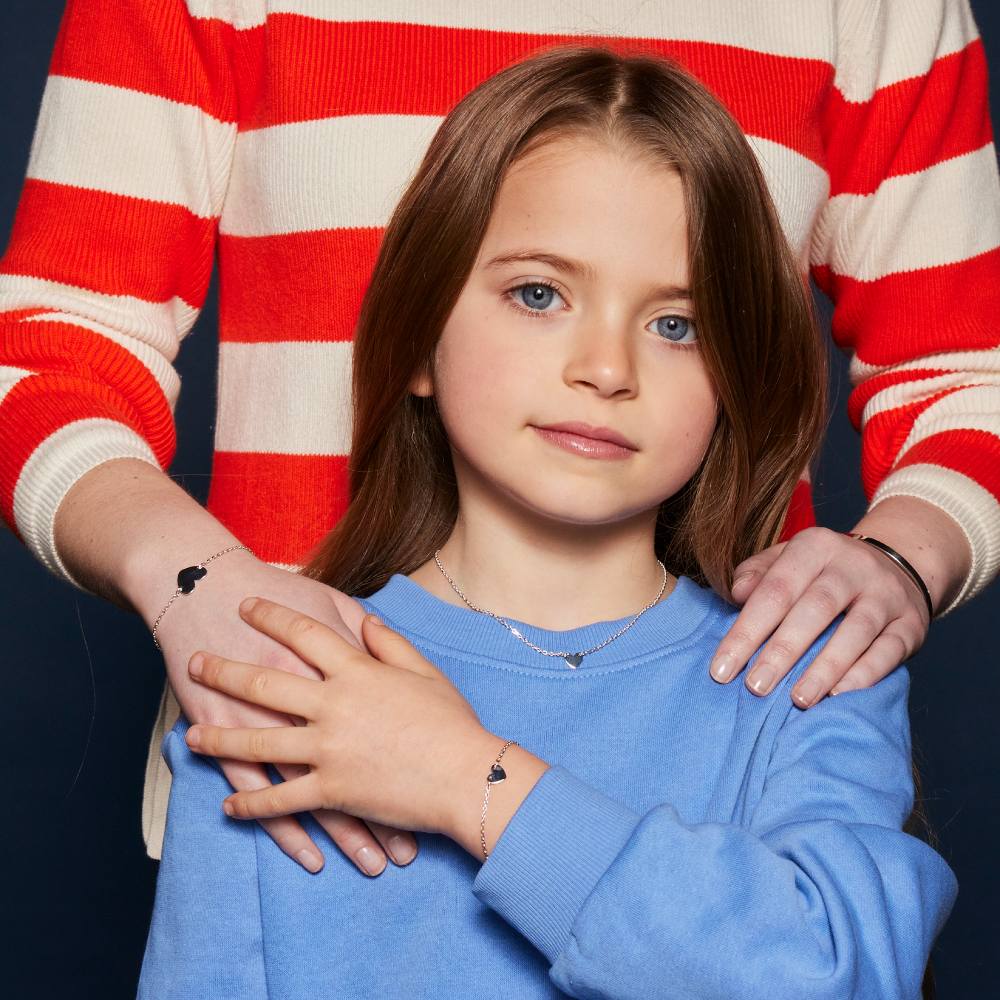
(421, 384)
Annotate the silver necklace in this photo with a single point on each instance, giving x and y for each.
(572, 659)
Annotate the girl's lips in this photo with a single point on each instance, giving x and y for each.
(588, 447)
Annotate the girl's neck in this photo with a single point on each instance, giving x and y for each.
(550, 583)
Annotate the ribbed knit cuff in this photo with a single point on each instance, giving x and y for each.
(973, 508)
(550, 856)
(53, 469)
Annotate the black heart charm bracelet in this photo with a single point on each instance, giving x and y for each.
(187, 578)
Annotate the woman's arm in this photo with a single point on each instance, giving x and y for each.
(819, 895)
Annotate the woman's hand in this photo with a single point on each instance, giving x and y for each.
(207, 619)
(797, 588)
(388, 737)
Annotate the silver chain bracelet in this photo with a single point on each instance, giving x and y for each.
(187, 578)
(497, 773)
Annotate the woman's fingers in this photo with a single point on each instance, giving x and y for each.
(274, 689)
(285, 831)
(895, 645)
(782, 585)
(861, 626)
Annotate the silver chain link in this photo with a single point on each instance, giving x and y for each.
(528, 642)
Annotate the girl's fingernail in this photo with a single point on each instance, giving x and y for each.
(309, 860)
(248, 604)
(193, 736)
(197, 662)
(227, 808)
(375, 621)
(741, 579)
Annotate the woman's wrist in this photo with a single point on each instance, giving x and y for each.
(928, 538)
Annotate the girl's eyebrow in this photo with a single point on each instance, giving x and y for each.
(577, 268)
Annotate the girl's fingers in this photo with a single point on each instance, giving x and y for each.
(298, 795)
(312, 640)
(886, 653)
(275, 689)
(284, 744)
(861, 626)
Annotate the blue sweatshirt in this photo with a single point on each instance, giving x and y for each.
(689, 840)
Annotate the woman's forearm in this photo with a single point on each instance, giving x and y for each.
(126, 528)
(926, 537)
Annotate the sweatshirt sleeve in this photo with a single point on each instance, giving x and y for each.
(112, 246)
(819, 895)
(908, 249)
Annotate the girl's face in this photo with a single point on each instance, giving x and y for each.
(590, 323)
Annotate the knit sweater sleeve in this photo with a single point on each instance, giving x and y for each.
(817, 894)
(908, 249)
(111, 251)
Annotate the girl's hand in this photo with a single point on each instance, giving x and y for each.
(798, 587)
(388, 737)
(207, 617)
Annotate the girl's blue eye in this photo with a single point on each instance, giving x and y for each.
(674, 328)
(534, 295)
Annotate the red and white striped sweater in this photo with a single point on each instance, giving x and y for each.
(279, 134)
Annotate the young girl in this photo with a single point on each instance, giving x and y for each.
(586, 378)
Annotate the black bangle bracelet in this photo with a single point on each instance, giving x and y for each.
(902, 563)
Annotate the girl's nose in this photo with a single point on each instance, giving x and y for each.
(602, 355)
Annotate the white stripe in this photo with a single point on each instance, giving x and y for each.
(350, 171)
(52, 469)
(785, 27)
(913, 221)
(907, 393)
(986, 360)
(974, 408)
(9, 377)
(161, 325)
(799, 188)
(973, 507)
(158, 366)
(882, 42)
(306, 408)
(238, 13)
(331, 173)
(104, 138)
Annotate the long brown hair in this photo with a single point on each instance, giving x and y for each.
(757, 329)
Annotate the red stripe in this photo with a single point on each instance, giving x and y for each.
(83, 375)
(417, 69)
(902, 316)
(155, 48)
(110, 243)
(331, 267)
(885, 433)
(908, 126)
(800, 511)
(310, 491)
(974, 453)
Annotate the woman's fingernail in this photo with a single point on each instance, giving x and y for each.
(370, 860)
(741, 579)
(309, 860)
(805, 693)
(248, 604)
(762, 680)
(723, 666)
(374, 620)
(196, 664)
(402, 851)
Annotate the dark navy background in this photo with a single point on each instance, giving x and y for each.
(81, 680)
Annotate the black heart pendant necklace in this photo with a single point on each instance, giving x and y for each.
(573, 660)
